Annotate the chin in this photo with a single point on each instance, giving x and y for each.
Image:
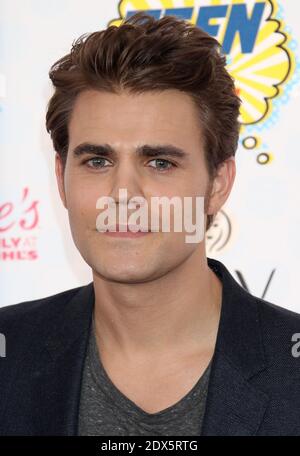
(125, 276)
(124, 271)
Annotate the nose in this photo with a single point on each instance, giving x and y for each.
(127, 184)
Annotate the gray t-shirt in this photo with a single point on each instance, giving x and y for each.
(105, 411)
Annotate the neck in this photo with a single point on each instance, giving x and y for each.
(179, 311)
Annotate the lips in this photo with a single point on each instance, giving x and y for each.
(116, 232)
(127, 228)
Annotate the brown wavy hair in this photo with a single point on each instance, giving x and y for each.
(145, 54)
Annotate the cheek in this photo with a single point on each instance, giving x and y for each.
(190, 184)
(82, 206)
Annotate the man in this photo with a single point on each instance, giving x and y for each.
(164, 341)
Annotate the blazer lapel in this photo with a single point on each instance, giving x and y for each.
(47, 372)
(234, 405)
(67, 348)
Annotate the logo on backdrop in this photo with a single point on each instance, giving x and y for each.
(259, 49)
(18, 222)
(219, 234)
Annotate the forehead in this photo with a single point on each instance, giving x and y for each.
(165, 115)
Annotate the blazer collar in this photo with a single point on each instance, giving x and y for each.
(55, 383)
(234, 405)
(73, 323)
(239, 335)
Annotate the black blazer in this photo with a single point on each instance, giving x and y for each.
(254, 386)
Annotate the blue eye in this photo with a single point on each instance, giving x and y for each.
(97, 162)
(163, 162)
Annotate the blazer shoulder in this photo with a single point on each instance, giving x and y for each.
(280, 331)
(29, 309)
(276, 316)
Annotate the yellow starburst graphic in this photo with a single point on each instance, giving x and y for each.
(252, 36)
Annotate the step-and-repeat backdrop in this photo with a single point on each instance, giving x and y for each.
(256, 234)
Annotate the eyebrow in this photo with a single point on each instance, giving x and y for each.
(146, 150)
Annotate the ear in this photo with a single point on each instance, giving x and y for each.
(59, 171)
(222, 185)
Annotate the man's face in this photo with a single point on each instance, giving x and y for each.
(124, 122)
